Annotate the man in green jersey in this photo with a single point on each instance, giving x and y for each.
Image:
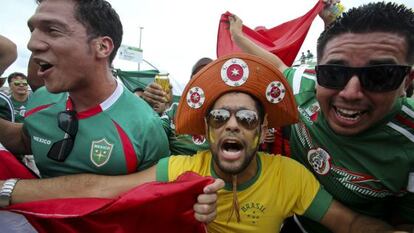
(19, 94)
(356, 129)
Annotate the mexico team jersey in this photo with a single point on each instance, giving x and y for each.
(19, 109)
(281, 188)
(6, 108)
(362, 171)
(181, 144)
(119, 136)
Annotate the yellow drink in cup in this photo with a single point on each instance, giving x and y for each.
(163, 81)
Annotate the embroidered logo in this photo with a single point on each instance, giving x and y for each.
(320, 160)
(253, 211)
(234, 72)
(195, 97)
(275, 92)
(198, 139)
(100, 152)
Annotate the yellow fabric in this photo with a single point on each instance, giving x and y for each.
(283, 188)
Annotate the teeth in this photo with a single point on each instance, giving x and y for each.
(348, 114)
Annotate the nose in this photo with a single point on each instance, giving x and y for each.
(352, 90)
(232, 125)
(36, 42)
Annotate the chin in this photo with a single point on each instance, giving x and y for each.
(346, 131)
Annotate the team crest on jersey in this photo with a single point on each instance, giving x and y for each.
(320, 160)
(195, 97)
(101, 152)
(275, 92)
(234, 72)
(198, 139)
(254, 211)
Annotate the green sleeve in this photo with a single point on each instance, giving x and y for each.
(162, 170)
(155, 146)
(319, 205)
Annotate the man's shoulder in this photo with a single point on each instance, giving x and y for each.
(402, 122)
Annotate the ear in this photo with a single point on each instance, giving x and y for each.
(103, 46)
(408, 82)
(264, 128)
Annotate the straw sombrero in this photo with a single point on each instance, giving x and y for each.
(236, 72)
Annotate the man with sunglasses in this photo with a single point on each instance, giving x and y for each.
(356, 126)
(19, 94)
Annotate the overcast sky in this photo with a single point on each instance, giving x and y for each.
(176, 33)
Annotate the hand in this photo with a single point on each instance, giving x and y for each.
(326, 13)
(205, 208)
(154, 95)
(236, 26)
(270, 136)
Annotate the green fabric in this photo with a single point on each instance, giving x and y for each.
(162, 170)
(319, 205)
(102, 136)
(19, 109)
(181, 144)
(136, 79)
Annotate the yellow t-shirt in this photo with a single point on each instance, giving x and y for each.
(282, 187)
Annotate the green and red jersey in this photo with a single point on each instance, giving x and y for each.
(181, 144)
(119, 136)
(367, 172)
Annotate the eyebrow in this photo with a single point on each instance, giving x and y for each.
(47, 22)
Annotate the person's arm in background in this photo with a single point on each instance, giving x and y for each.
(90, 185)
(340, 219)
(11, 134)
(13, 138)
(8, 53)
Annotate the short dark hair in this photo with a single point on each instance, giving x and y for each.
(14, 75)
(373, 17)
(199, 65)
(100, 19)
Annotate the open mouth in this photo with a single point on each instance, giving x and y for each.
(45, 66)
(232, 146)
(351, 115)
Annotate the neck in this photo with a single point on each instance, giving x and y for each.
(19, 98)
(247, 174)
(95, 91)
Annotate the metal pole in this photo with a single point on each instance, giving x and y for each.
(140, 39)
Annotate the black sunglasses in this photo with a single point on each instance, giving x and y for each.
(68, 122)
(247, 118)
(375, 78)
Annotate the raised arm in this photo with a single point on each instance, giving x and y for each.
(249, 46)
(8, 53)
